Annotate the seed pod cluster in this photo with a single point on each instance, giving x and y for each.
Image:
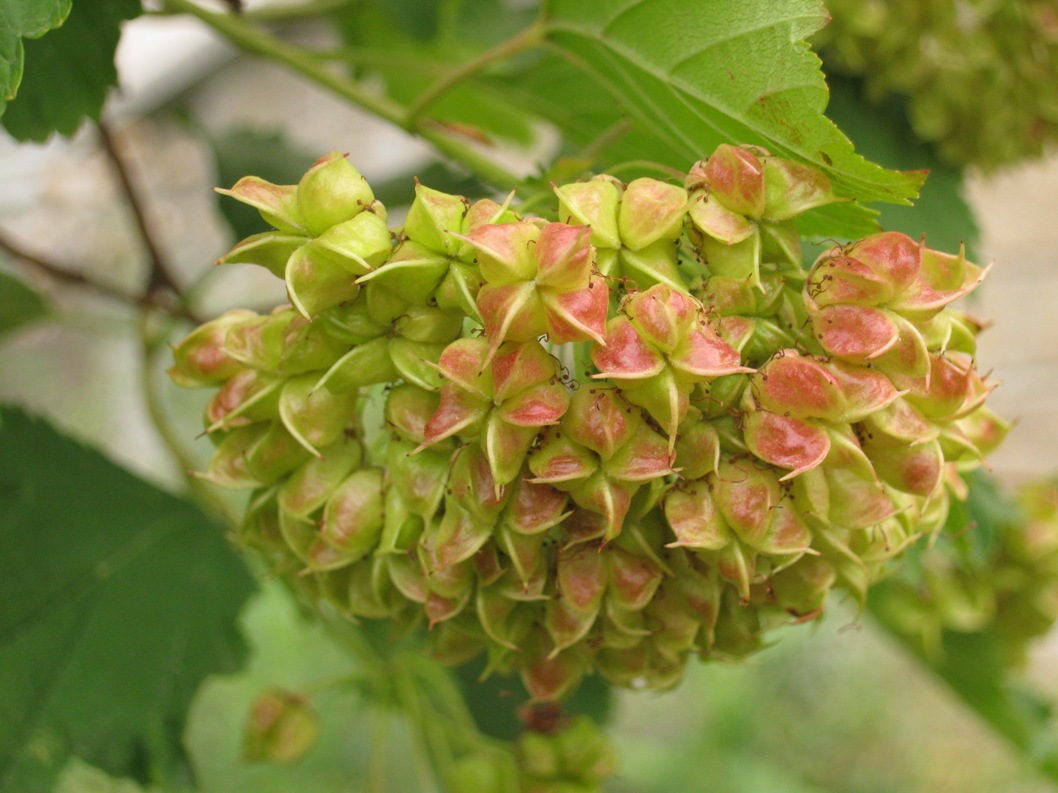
(600, 444)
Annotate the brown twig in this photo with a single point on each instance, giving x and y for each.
(161, 274)
(57, 273)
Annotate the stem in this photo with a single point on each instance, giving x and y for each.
(409, 702)
(448, 12)
(378, 56)
(374, 664)
(308, 10)
(376, 769)
(542, 197)
(252, 40)
(439, 682)
(161, 277)
(303, 11)
(57, 273)
(206, 496)
(526, 39)
(646, 165)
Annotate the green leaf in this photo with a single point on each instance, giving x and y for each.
(117, 599)
(699, 74)
(23, 19)
(19, 305)
(80, 777)
(69, 71)
(883, 134)
(409, 65)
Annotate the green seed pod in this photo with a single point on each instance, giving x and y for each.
(332, 192)
(593, 203)
(433, 217)
(351, 323)
(315, 416)
(491, 771)
(315, 282)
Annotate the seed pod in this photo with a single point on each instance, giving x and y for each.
(282, 728)
(202, 359)
(331, 192)
(352, 517)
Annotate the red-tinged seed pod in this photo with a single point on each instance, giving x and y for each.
(246, 398)
(259, 341)
(274, 454)
(455, 538)
(796, 385)
(632, 579)
(278, 204)
(600, 420)
(282, 727)
(539, 280)
(736, 178)
(310, 486)
(202, 359)
(352, 517)
(408, 409)
(651, 211)
(549, 676)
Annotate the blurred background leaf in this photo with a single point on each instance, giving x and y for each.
(24, 19)
(69, 71)
(118, 600)
(19, 304)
